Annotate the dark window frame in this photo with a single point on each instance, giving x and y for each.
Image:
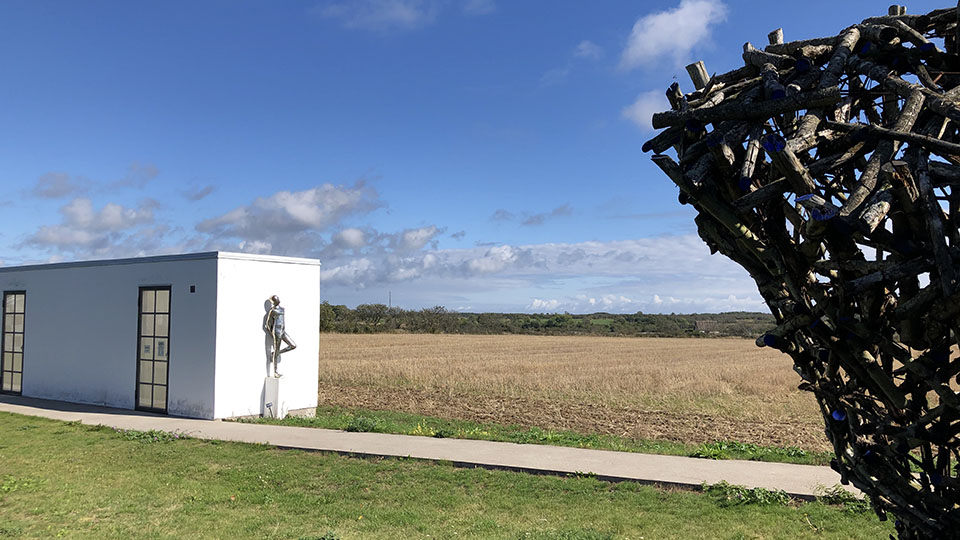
(140, 314)
(3, 341)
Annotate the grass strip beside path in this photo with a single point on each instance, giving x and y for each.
(428, 426)
(68, 480)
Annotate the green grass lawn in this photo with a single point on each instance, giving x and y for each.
(73, 481)
(414, 424)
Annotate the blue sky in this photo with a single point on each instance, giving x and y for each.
(483, 155)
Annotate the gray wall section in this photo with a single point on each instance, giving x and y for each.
(81, 331)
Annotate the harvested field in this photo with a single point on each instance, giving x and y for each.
(688, 390)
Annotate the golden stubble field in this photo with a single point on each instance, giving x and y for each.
(689, 390)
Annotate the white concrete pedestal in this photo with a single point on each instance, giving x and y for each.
(274, 405)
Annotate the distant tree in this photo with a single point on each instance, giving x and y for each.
(327, 317)
(371, 315)
(436, 319)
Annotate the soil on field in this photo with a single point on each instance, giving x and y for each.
(587, 418)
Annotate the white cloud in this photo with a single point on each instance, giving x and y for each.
(137, 176)
(84, 230)
(350, 238)
(290, 220)
(80, 213)
(255, 246)
(541, 305)
(494, 260)
(55, 185)
(589, 50)
(415, 239)
(382, 14)
(585, 50)
(479, 7)
(352, 272)
(530, 218)
(555, 76)
(641, 111)
(673, 33)
(618, 303)
(198, 193)
(539, 219)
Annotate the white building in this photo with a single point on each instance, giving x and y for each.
(180, 334)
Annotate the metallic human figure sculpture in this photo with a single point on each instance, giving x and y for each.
(274, 326)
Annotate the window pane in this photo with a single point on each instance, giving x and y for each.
(146, 348)
(145, 395)
(146, 325)
(18, 342)
(161, 349)
(163, 301)
(160, 372)
(7, 383)
(17, 362)
(146, 371)
(163, 322)
(9, 303)
(7, 342)
(18, 323)
(160, 397)
(19, 304)
(146, 300)
(15, 387)
(8, 322)
(7, 361)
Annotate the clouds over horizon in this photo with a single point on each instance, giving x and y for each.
(662, 274)
(325, 222)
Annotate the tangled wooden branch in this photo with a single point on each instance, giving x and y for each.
(830, 170)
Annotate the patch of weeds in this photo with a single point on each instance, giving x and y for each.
(329, 535)
(363, 424)
(727, 494)
(425, 430)
(27, 427)
(7, 531)
(848, 502)
(748, 451)
(584, 534)
(67, 426)
(10, 484)
(151, 436)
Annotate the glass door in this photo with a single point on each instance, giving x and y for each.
(153, 348)
(14, 310)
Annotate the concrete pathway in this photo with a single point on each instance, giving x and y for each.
(796, 480)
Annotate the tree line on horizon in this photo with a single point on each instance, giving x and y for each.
(379, 318)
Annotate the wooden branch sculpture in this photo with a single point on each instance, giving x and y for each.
(830, 170)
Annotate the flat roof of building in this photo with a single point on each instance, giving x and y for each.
(165, 258)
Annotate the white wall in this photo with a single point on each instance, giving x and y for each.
(80, 341)
(245, 284)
